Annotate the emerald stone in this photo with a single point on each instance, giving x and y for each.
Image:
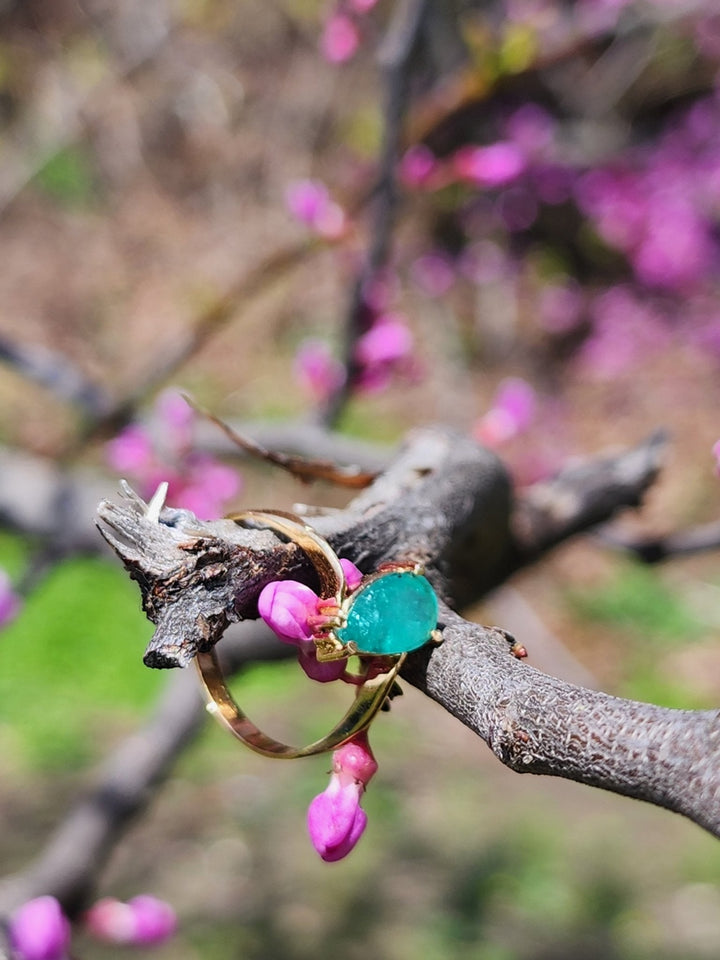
(391, 614)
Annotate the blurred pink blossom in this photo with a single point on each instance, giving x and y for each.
(433, 273)
(40, 931)
(340, 38)
(716, 455)
(531, 129)
(560, 306)
(511, 413)
(10, 602)
(417, 166)
(316, 370)
(625, 329)
(336, 821)
(309, 202)
(383, 351)
(491, 166)
(142, 921)
(163, 451)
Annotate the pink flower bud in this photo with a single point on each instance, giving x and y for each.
(336, 820)
(142, 921)
(353, 577)
(286, 606)
(40, 931)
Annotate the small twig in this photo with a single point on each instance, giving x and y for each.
(301, 468)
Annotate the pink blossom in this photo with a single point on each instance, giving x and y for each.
(336, 820)
(433, 273)
(388, 341)
(492, 166)
(130, 451)
(531, 129)
(163, 452)
(317, 370)
(511, 413)
(417, 166)
(362, 6)
(382, 351)
(10, 602)
(142, 921)
(309, 202)
(40, 931)
(559, 307)
(340, 38)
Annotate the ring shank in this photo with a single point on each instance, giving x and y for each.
(369, 698)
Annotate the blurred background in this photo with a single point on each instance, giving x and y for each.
(187, 197)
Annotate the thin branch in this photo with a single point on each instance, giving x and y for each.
(683, 543)
(397, 58)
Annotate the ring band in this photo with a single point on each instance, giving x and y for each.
(370, 694)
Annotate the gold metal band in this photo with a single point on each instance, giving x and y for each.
(369, 698)
(370, 694)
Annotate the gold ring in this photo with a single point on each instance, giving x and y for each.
(370, 693)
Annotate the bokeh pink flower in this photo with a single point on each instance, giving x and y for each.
(163, 451)
(142, 921)
(39, 930)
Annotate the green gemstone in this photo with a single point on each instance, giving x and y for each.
(392, 614)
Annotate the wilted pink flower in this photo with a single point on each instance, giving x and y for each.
(511, 413)
(340, 38)
(335, 819)
(317, 370)
(491, 166)
(417, 166)
(142, 921)
(40, 931)
(10, 602)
